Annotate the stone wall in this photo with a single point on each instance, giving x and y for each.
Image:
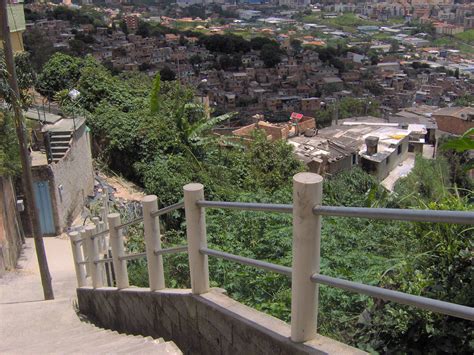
(10, 233)
(211, 323)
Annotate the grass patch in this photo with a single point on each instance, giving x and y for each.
(466, 36)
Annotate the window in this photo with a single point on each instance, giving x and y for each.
(399, 149)
(388, 160)
(354, 159)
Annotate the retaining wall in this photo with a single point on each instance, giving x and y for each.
(210, 323)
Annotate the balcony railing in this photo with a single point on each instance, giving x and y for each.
(307, 213)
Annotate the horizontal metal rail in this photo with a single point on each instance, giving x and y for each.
(107, 260)
(450, 309)
(284, 270)
(249, 206)
(172, 250)
(168, 209)
(98, 234)
(436, 216)
(129, 223)
(132, 256)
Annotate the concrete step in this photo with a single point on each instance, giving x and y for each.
(61, 143)
(60, 137)
(60, 133)
(59, 149)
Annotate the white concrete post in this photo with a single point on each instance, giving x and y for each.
(151, 225)
(80, 268)
(85, 251)
(103, 215)
(307, 193)
(96, 221)
(118, 250)
(103, 238)
(196, 235)
(93, 256)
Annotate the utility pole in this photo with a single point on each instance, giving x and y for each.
(27, 177)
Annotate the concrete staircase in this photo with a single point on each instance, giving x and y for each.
(30, 325)
(59, 143)
(70, 335)
(88, 339)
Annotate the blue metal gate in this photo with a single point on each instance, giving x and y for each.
(44, 207)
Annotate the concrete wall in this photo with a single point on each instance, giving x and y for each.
(211, 323)
(386, 166)
(10, 233)
(76, 176)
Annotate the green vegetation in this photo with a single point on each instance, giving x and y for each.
(25, 75)
(9, 149)
(466, 36)
(154, 134)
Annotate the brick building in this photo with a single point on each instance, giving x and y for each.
(455, 120)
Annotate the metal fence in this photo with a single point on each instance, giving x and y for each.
(307, 211)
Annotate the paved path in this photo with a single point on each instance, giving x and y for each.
(401, 170)
(30, 325)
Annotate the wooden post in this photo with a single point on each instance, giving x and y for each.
(196, 235)
(118, 250)
(151, 225)
(307, 193)
(27, 177)
(78, 258)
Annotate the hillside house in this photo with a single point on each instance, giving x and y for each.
(62, 170)
(375, 145)
(455, 120)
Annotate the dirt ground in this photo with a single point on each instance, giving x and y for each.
(123, 189)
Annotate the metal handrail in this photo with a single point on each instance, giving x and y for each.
(106, 260)
(168, 209)
(132, 256)
(98, 234)
(450, 309)
(171, 250)
(435, 216)
(129, 223)
(283, 270)
(249, 206)
(160, 212)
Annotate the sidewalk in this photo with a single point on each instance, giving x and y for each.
(24, 313)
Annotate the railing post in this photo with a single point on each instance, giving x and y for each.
(307, 193)
(85, 251)
(118, 250)
(196, 235)
(151, 225)
(93, 256)
(78, 258)
(103, 239)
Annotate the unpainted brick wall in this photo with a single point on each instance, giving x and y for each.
(453, 125)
